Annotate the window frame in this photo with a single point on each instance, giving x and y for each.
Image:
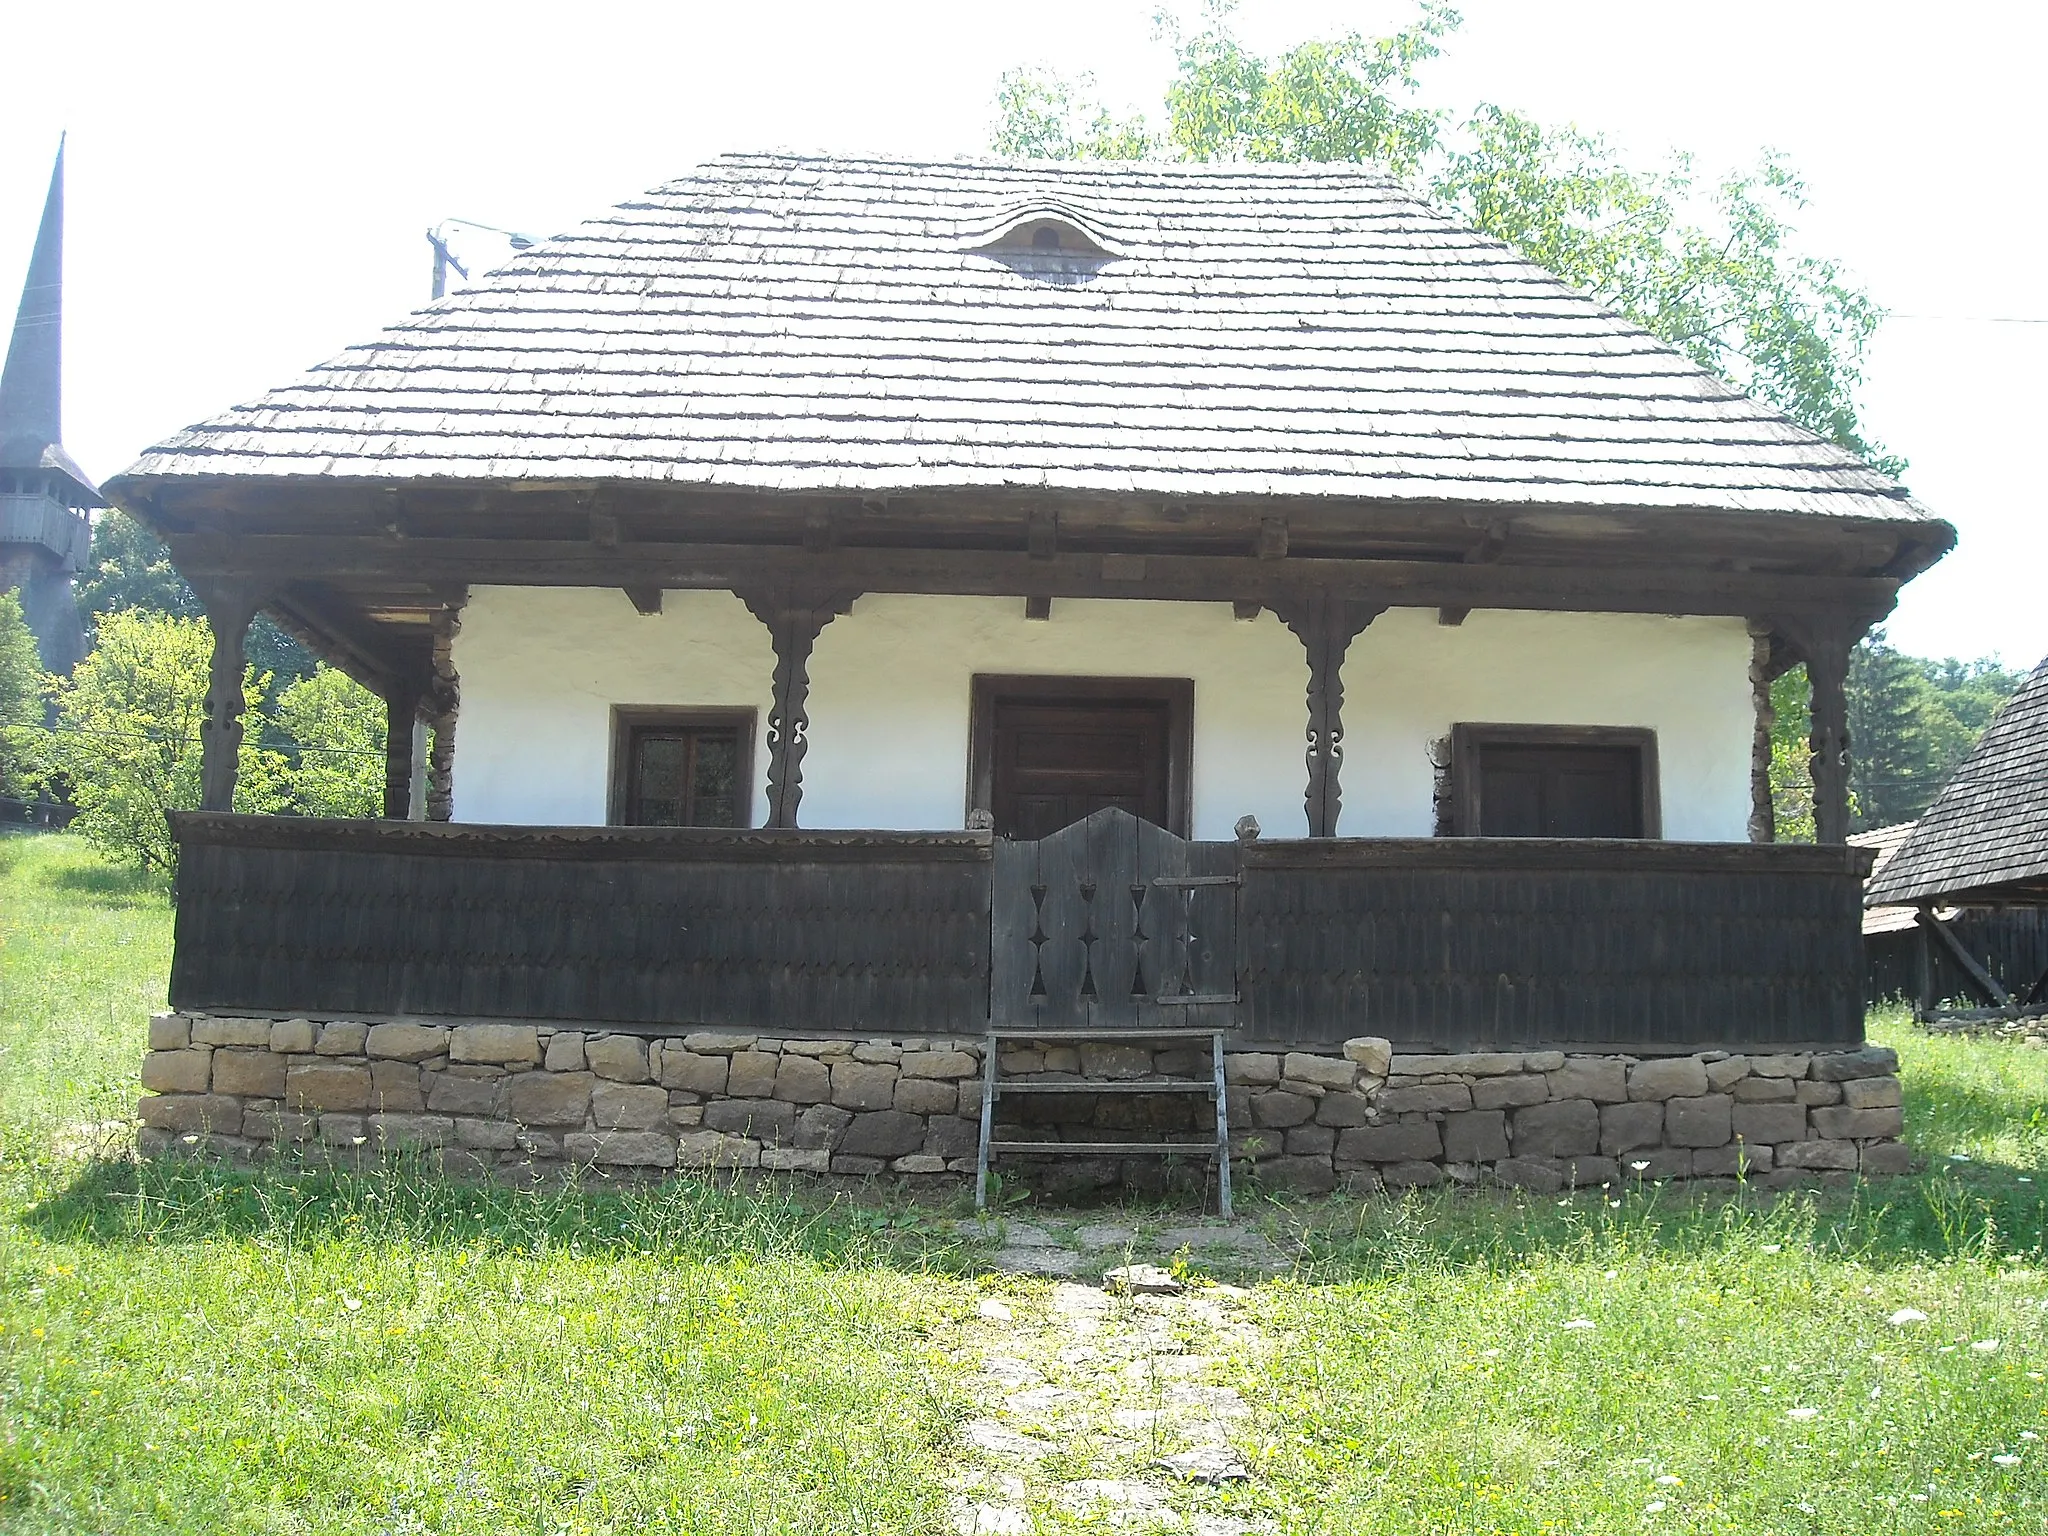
(1176, 693)
(1470, 739)
(631, 721)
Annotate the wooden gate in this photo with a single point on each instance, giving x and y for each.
(1114, 923)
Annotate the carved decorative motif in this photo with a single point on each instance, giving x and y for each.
(1762, 814)
(795, 617)
(444, 702)
(1326, 626)
(230, 607)
(1824, 644)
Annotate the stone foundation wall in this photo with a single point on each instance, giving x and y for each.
(522, 1102)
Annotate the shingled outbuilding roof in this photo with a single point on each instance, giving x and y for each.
(1986, 836)
(804, 323)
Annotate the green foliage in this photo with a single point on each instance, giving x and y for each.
(127, 742)
(130, 568)
(22, 684)
(1712, 270)
(1911, 722)
(1791, 758)
(333, 729)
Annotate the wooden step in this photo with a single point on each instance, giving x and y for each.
(1108, 1148)
(1112, 1085)
(1106, 1036)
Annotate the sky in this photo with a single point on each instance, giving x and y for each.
(248, 185)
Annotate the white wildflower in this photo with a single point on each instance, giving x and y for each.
(1668, 1481)
(1985, 1346)
(1578, 1324)
(1774, 1248)
(1639, 1167)
(1802, 1414)
(351, 1303)
(1490, 1354)
(1907, 1315)
(995, 1311)
(2005, 1461)
(2028, 1434)
(1654, 1507)
(1612, 1274)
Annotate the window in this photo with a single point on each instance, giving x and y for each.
(1554, 781)
(1045, 752)
(682, 768)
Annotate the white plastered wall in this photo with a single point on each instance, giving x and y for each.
(1408, 679)
(890, 683)
(541, 667)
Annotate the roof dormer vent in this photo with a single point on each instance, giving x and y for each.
(1043, 238)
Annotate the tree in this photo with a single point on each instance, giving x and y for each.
(127, 742)
(334, 729)
(1792, 758)
(22, 684)
(1894, 754)
(1713, 271)
(129, 568)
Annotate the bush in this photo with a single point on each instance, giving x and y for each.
(128, 736)
(22, 684)
(336, 727)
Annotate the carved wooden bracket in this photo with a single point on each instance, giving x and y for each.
(1824, 644)
(1326, 626)
(795, 618)
(444, 704)
(230, 608)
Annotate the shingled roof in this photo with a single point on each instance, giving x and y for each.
(805, 323)
(1986, 835)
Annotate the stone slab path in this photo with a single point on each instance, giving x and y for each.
(1101, 1409)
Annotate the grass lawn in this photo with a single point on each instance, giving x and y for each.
(191, 1349)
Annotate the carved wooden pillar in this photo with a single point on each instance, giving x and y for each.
(230, 608)
(444, 703)
(1763, 826)
(794, 619)
(1824, 644)
(1326, 626)
(401, 716)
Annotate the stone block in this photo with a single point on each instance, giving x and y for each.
(565, 1051)
(461, 1165)
(395, 1088)
(1062, 1058)
(252, 1074)
(926, 1096)
(1791, 1064)
(1765, 1090)
(1415, 1175)
(858, 1167)
(621, 1149)
(538, 1144)
(820, 1125)
(684, 1114)
(278, 1125)
(1591, 1172)
(1529, 1173)
(1561, 1128)
(509, 1045)
(1882, 1158)
(1724, 1074)
(617, 1058)
(451, 1095)
(714, 1149)
(1625, 1127)
(949, 1066)
(1509, 1092)
(616, 1106)
(1475, 1063)
(1602, 1079)
(341, 1038)
(1343, 1110)
(1251, 1068)
(1115, 1061)
(1668, 1077)
(548, 1098)
(1425, 1098)
(318, 1086)
(804, 1080)
(918, 1162)
(1311, 1141)
(1298, 1175)
(388, 1132)
(883, 1133)
(254, 1033)
(1277, 1109)
(751, 1074)
(192, 1113)
(1399, 1142)
(406, 1042)
(1476, 1136)
(770, 1120)
(344, 1131)
(1323, 1071)
(169, 1031)
(952, 1136)
(691, 1072)
(1839, 1122)
(1372, 1054)
(817, 1048)
(292, 1037)
(1769, 1124)
(1730, 1161)
(883, 1051)
(1843, 1066)
(796, 1159)
(1543, 1061)
(186, 1071)
(710, 1043)
(1816, 1154)
(1657, 1163)
(1813, 1094)
(1872, 1093)
(490, 1135)
(863, 1085)
(1699, 1122)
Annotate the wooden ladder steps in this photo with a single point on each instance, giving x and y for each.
(1110, 1148)
(1111, 1085)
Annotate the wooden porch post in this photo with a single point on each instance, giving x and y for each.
(230, 609)
(1827, 670)
(444, 703)
(401, 717)
(794, 619)
(1326, 626)
(1763, 815)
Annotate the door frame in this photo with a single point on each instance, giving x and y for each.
(1176, 693)
(1470, 739)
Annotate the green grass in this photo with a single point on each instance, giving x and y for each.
(194, 1349)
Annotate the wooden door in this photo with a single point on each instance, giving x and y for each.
(1056, 761)
(1546, 791)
